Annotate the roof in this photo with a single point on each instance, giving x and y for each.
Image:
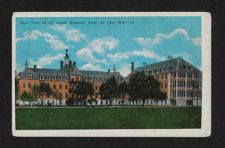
(173, 65)
(36, 71)
(100, 74)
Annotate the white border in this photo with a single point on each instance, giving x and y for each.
(205, 130)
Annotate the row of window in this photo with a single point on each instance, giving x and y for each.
(190, 93)
(95, 79)
(159, 70)
(183, 83)
(87, 79)
(29, 85)
(183, 75)
(47, 77)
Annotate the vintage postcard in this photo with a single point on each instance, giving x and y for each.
(111, 74)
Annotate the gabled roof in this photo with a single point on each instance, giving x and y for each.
(175, 64)
(36, 71)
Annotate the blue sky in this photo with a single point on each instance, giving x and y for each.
(97, 43)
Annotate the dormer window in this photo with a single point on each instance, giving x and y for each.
(66, 78)
(29, 76)
(41, 77)
(60, 77)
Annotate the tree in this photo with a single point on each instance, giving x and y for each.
(45, 90)
(27, 96)
(123, 89)
(143, 87)
(35, 91)
(84, 89)
(55, 94)
(109, 90)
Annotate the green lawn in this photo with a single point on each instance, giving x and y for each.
(108, 118)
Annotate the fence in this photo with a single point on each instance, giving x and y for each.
(113, 102)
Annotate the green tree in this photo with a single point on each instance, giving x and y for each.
(35, 91)
(123, 89)
(27, 96)
(110, 89)
(84, 89)
(143, 87)
(45, 90)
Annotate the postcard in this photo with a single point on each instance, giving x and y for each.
(111, 74)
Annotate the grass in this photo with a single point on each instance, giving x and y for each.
(108, 118)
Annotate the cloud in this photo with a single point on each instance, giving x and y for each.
(124, 69)
(71, 34)
(86, 55)
(118, 56)
(99, 45)
(196, 41)
(147, 54)
(53, 41)
(159, 37)
(46, 60)
(90, 66)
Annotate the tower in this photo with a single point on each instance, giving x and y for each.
(132, 67)
(114, 68)
(26, 64)
(66, 58)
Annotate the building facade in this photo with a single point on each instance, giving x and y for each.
(181, 81)
(63, 81)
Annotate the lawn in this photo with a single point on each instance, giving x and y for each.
(108, 118)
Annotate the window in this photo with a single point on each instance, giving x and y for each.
(77, 78)
(60, 86)
(165, 85)
(24, 85)
(66, 77)
(60, 77)
(29, 76)
(29, 85)
(41, 77)
(65, 86)
(47, 85)
(66, 95)
(54, 86)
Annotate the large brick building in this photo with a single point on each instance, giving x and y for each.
(63, 81)
(180, 80)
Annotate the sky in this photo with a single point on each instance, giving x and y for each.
(97, 43)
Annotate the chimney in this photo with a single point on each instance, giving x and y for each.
(35, 67)
(132, 67)
(74, 64)
(61, 65)
(108, 71)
